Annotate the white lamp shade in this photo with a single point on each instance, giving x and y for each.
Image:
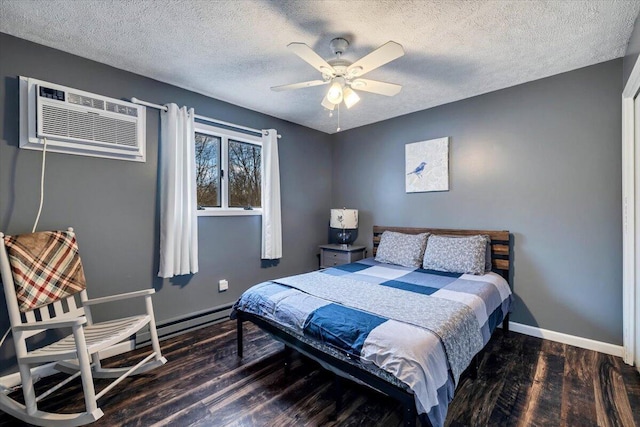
(344, 218)
(327, 104)
(334, 95)
(350, 97)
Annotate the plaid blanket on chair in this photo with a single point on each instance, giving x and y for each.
(46, 267)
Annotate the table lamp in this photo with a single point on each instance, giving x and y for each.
(346, 221)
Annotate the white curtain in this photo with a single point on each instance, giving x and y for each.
(178, 204)
(271, 216)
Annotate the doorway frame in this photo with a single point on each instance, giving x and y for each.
(630, 240)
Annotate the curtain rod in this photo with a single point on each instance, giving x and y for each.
(199, 117)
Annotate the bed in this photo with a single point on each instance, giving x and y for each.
(409, 332)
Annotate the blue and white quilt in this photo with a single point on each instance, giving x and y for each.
(421, 326)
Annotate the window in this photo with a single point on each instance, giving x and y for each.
(208, 169)
(228, 172)
(244, 174)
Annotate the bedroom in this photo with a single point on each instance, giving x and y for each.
(536, 152)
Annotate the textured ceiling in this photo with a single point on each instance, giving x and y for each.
(236, 50)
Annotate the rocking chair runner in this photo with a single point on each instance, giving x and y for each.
(42, 274)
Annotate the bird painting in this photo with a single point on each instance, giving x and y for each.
(418, 170)
(426, 165)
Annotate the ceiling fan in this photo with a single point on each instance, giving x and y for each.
(344, 76)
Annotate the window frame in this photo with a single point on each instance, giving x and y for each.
(225, 135)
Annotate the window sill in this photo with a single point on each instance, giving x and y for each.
(229, 212)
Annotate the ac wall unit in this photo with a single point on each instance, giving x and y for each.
(78, 122)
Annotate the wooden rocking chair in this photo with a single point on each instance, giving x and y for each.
(42, 275)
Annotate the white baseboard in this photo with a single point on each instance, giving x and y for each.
(589, 344)
(12, 380)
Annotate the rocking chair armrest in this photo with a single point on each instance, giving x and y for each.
(51, 324)
(119, 297)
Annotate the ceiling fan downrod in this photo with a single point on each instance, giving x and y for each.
(339, 46)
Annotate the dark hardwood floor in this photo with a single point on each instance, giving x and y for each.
(523, 381)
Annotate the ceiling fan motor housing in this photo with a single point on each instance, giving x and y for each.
(339, 46)
(339, 68)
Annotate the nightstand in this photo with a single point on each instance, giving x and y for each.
(332, 255)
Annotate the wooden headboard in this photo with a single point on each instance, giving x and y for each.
(500, 247)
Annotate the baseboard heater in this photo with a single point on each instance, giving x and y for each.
(187, 323)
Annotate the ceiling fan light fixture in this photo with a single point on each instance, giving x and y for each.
(327, 104)
(334, 95)
(351, 98)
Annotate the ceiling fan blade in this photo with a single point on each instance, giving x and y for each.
(375, 86)
(311, 57)
(300, 85)
(382, 55)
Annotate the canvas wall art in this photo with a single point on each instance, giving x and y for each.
(427, 166)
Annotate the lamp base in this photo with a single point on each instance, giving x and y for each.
(344, 237)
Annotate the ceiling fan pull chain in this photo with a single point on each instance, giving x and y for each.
(338, 130)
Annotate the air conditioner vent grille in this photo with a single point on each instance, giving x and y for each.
(57, 122)
(126, 132)
(122, 109)
(86, 101)
(104, 130)
(87, 126)
(79, 125)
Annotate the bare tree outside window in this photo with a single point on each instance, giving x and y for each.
(244, 174)
(208, 170)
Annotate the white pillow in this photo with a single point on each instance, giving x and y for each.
(402, 249)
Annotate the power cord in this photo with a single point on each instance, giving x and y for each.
(4, 337)
(44, 158)
(4, 389)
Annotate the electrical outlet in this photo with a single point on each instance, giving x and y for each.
(223, 285)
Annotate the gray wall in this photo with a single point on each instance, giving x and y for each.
(112, 204)
(540, 159)
(631, 55)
